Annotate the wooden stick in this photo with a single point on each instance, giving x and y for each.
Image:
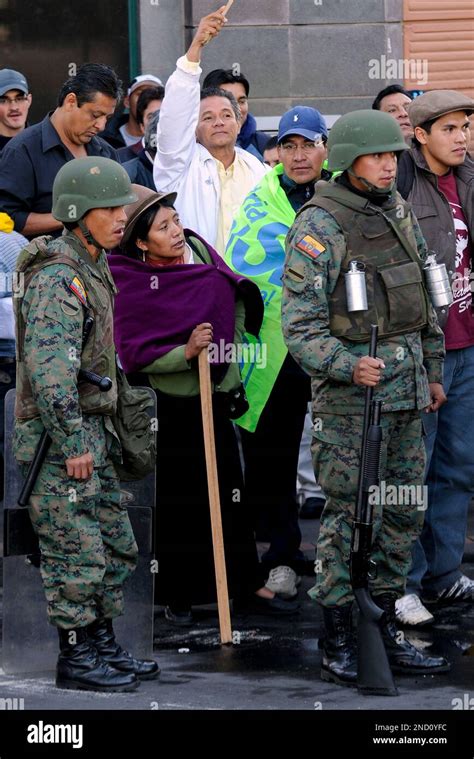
(214, 498)
(226, 9)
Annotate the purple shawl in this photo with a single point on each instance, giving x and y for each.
(157, 308)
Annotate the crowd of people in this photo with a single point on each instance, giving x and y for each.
(250, 237)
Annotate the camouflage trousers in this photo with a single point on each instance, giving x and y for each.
(87, 544)
(398, 510)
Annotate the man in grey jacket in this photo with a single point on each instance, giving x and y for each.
(437, 177)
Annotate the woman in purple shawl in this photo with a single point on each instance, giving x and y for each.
(175, 297)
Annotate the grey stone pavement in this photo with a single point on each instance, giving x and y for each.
(274, 666)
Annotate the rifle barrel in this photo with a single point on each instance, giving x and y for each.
(369, 393)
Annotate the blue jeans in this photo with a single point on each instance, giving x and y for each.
(437, 554)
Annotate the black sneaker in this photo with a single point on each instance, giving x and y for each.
(179, 617)
(312, 508)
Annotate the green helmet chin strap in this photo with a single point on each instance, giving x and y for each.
(371, 187)
(88, 234)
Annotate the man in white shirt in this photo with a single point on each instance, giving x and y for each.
(196, 154)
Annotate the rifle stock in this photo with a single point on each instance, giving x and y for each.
(374, 676)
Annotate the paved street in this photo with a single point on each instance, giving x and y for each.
(275, 666)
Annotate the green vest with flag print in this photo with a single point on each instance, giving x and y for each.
(256, 250)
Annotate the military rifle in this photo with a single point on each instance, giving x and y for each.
(374, 676)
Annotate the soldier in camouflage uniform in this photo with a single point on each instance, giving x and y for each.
(359, 216)
(86, 541)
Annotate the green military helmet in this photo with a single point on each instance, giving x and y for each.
(362, 133)
(86, 183)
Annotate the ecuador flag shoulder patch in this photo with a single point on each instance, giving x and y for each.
(78, 289)
(310, 246)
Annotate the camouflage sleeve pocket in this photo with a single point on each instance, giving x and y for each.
(294, 277)
(65, 311)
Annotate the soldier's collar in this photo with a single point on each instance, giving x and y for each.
(78, 246)
(373, 198)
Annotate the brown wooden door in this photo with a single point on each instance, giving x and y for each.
(440, 32)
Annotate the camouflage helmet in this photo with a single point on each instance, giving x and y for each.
(362, 133)
(86, 183)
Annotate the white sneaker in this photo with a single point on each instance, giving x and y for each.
(410, 611)
(282, 580)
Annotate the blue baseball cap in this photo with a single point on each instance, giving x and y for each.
(302, 120)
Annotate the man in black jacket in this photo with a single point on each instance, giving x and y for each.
(140, 169)
(123, 129)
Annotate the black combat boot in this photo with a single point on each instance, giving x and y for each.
(339, 664)
(102, 637)
(80, 667)
(402, 655)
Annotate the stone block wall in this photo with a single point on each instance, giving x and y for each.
(314, 52)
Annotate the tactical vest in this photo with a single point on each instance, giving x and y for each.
(98, 354)
(383, 239)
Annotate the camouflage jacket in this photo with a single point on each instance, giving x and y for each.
(412, 360)
(53, 310)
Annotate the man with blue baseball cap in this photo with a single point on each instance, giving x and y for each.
(304, 127)
(302, 136)
(271, 431)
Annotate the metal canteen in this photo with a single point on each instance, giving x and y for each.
(356, 289)
(437, 282)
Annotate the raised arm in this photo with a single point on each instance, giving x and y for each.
(179, 114)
